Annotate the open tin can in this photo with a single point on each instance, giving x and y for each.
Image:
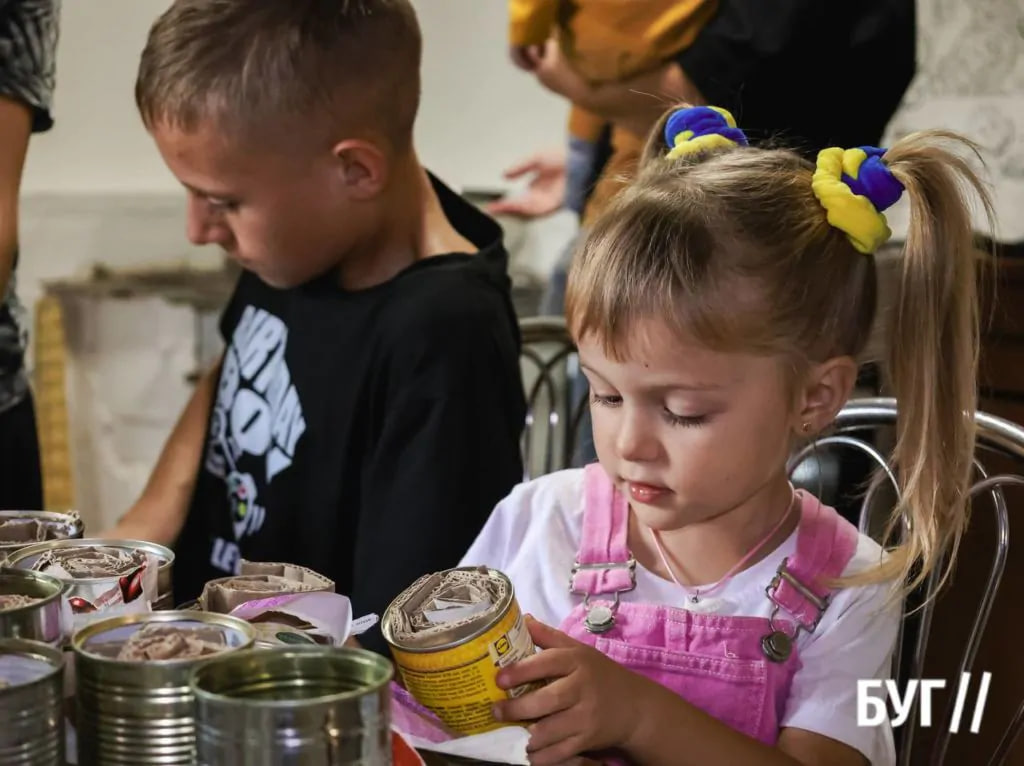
(127, 567)
(301, 707)
(450, 634)
(32, 607)
(31, 697)
(133, 700)
(22, 528)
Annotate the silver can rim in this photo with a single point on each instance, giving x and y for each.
(76, 524)
(148, 618)
(37, 649)
(387, 622)
(16, 557)
(206, 696)
(61, 589)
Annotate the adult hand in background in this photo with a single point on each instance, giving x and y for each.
(545, 193)
(526, 57)
(553, 70)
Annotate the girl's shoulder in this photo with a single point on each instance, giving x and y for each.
(538, 509)
(559, 491)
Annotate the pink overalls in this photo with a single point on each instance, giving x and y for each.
(737, 669)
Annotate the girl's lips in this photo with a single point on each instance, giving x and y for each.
(645, 493)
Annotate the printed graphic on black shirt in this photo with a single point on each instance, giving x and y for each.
(256, 425)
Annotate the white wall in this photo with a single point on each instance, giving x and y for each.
(971, 80)
(479, 113)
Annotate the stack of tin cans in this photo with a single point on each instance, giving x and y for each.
(80, 620)
(87, 644)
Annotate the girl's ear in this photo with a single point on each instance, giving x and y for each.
(826, 388)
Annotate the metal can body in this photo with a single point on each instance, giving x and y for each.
(86, 589)
(41, 620)
(294, 707)
(452, 667)
(31, 698)
(141, 711)
(59, 525)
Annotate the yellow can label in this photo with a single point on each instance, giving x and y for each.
(460, 684)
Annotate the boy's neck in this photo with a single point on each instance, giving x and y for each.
(413, 227)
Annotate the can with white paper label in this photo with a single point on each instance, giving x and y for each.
(450, 634)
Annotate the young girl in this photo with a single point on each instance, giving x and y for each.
(692, 607)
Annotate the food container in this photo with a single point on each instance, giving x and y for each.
(21, 528)
(32, 607)
(31, 692)
(130, 562)
(134, 705)
(294, 707)
(258, 580)
(450, 633)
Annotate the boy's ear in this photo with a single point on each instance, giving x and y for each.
(362, 167)
(826, 389)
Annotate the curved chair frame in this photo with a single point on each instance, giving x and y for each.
(994, 435)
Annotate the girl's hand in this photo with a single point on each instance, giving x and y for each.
(590, 703)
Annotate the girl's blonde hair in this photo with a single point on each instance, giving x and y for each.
(732, 247)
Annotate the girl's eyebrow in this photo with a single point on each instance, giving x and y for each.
(687, 386)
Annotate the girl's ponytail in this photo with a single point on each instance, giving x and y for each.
(933, 354)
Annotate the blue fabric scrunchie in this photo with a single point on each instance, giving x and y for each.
(874, 180)
(698, 128)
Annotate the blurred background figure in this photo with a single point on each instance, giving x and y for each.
(28, 41)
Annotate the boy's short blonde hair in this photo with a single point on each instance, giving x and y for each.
(269, 66)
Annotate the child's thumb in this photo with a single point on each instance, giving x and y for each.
(546, 637)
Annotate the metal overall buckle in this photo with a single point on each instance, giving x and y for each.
(778, 644)
(600, 617)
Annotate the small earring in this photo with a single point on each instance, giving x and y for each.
(806, 427)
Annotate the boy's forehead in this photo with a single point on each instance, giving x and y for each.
(205, 158)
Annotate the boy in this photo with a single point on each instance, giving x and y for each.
(365, 416)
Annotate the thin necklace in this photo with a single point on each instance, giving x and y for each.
(697, 592)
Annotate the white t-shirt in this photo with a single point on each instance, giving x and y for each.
(533, 537)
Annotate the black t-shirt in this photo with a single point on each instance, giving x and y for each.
(366, 435)
(807, 74)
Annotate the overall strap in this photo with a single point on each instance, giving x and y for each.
(825, 544)
(603, 563)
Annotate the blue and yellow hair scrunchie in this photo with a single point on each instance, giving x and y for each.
(855, 186)
(695, 129)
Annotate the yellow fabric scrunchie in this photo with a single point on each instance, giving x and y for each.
(854, 214)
